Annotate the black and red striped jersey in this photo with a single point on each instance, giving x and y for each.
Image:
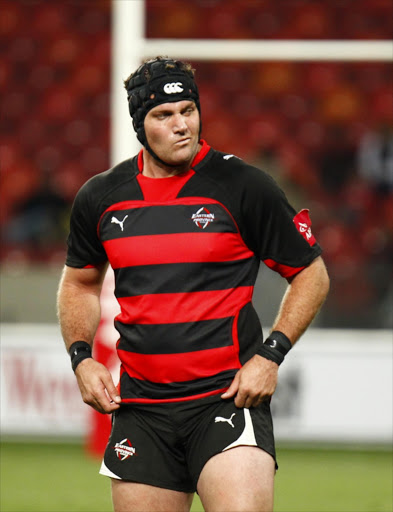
(186, 251)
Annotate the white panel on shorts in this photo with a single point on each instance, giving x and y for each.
(247, 437)
(107, 472)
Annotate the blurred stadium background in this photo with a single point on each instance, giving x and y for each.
(322, 126)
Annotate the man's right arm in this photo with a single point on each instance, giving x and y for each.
(79, 312)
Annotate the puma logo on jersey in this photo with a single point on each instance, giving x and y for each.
(120, 222)
(219, 419)
(228, 157)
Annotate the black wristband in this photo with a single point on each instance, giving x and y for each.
(275, 347)
(79, 351)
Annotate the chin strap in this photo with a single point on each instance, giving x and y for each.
(156, 157)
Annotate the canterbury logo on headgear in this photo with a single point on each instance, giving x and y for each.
(173, 88)
(156, 82)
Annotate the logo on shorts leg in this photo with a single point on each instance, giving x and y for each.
(124, 449)
(219, 419)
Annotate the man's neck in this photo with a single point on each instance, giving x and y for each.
(152, 168)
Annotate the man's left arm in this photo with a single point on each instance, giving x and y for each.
(305, 294)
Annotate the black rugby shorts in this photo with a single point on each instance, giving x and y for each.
(167, 445)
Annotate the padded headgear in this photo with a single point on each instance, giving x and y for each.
(160, 80)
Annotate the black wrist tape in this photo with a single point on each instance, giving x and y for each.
(79, 351)
(275, 347)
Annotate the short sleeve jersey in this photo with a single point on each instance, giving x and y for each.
(186, 251)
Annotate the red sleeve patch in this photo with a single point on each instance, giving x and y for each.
(303, 224)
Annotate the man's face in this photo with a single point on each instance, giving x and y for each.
(172, 131)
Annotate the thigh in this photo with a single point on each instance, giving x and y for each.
(135, 497)
(222, 426)
(240, 479)
(144, 448)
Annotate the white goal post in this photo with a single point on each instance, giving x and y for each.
(130, 47)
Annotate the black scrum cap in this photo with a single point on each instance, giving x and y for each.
(160, 80)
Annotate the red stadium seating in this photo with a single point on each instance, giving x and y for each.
(54, 79)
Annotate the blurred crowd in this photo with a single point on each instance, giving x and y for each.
(324, 130)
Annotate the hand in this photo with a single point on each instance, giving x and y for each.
(96, 386)
(254, 382)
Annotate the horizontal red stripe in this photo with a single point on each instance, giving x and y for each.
(141, 203)
(284, 270)
(176, 248)
(183, 307)
(166, 400)
(167, 368)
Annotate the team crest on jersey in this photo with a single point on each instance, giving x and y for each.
(303, 223)
(124, 449)
(202, 217)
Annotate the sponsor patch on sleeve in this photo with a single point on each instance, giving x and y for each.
(303, 224)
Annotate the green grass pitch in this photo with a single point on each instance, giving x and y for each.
(54, 477)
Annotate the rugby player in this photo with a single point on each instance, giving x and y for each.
(185, 228)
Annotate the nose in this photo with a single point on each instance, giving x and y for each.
(179, 123)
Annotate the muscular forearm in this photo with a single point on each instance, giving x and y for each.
(302, 300)
(78, 308)
(257, 379)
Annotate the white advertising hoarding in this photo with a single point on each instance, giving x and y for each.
(335, 385)
(39, 393)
